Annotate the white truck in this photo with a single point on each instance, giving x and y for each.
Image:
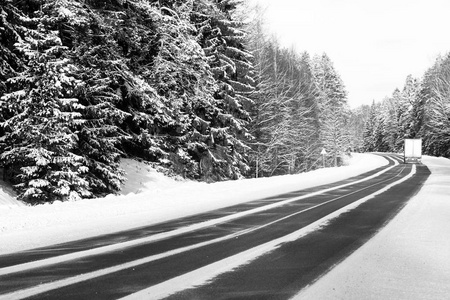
(412, 151)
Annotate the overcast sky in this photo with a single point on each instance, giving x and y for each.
(374, 45)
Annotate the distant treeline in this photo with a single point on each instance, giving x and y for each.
(420, 110)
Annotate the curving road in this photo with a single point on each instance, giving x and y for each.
(266, 249)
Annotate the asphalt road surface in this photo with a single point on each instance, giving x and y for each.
(265, 249)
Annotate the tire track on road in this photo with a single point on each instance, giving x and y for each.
(84, 277)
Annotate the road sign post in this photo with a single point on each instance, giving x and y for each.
(323, 152)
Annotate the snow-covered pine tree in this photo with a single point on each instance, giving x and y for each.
(391, 130)
(398, 132)
(357, 121)
(12, 24)
(276, 110)
(306, 116)
(436, 121)
(409, 106)
(335, 138)
(294, 123)
(380, 141)
(259, 46)
(272, 110)
(329, 83)
(369, 143)
(39, 135)
(397, 117)
(333, 109)
(373, 136)
(87, 34)
(290, 113)
(267, 123)
(182, 77)
(118, 44)
(221, 35)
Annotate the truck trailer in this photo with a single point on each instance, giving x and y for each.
(412, 151)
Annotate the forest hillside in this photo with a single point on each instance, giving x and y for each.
(196, 88)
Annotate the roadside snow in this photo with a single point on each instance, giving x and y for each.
(206, 274)
(7, 196)
(408, 259)
(148, 198)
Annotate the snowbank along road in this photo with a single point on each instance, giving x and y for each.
(265, 249)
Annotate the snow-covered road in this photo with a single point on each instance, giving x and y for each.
(408, 259)
(258, 228)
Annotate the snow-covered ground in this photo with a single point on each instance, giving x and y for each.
(149, 197)
(7, 196)
(408, 259)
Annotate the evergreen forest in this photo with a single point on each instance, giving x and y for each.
(421, 109)
(196, 88)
